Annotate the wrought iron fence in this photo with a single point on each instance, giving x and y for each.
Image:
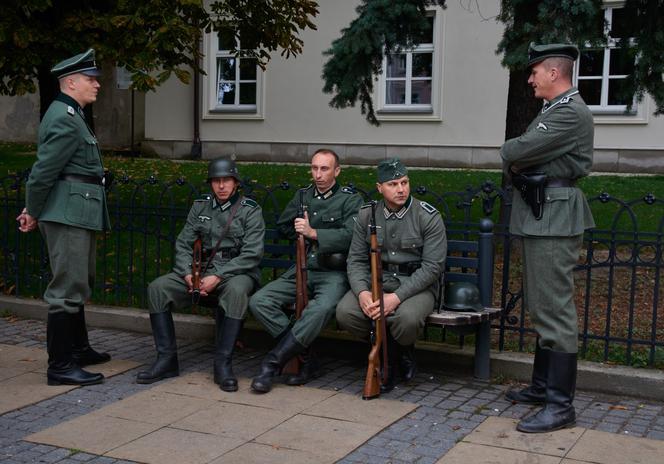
(618, 277)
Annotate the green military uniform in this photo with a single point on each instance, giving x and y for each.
(236, 261)
(413, 249)
(332, 214)
(559, 142)
(65, 193)
(69, 211)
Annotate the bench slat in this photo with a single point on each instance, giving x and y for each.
(457, 318)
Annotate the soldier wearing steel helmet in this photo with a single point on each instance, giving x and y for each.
(550, 214)
(411, 235)
(234, 225)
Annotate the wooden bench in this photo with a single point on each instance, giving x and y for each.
(468, 260)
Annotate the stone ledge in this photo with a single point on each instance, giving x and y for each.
(615, 380)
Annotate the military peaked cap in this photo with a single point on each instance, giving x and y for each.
(537, 53)
(83, 63)
(391, 169)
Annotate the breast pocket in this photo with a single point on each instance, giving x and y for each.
(92, 150)
(84, 205)
(412, 244)
(331, 219)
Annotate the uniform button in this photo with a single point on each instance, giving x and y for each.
(315, 213)
(87, 195)
(394, 252)
(394, 235)
(331, 219)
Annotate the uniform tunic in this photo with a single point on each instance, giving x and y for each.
(558, 142)
(414, 235)
(236, 261)
(332, 214)
(68, 212)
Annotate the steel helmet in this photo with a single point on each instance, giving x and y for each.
(222, 167)
(462, 296)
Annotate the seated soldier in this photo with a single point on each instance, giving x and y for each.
(411, 235)
(233, 226)
(327, 227)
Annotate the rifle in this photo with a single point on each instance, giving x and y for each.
(301, 296)
(378, 336)
(196, 271)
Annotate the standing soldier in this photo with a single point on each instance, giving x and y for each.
(232, 231)
(327, 227)
(550, 214)
(65, 198)
(411, 236)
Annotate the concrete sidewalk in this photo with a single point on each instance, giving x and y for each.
(437, 418)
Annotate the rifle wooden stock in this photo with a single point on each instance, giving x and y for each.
(196, 267)
(301, 295)
(373, 379)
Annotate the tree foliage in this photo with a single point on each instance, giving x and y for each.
(355, 58)
(154, 39)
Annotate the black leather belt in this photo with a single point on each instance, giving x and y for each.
(557, 182)
(81, 179)
(401, 269)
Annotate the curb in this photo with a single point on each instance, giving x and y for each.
(597, 377)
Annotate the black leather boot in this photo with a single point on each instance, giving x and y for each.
(166, 365)
(309, 369)
(274, 361)
(227, 332)
(407, 362)
(558, 411)
(393, 351)
(62, 370)
(535, 392)
(82, 353)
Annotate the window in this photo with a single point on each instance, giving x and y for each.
(408, 87)
(601, 73)
(234, 84)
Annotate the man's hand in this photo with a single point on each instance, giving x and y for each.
(26, 223)
(302, 227)
(189, 280)
(208, 283)
(372, 308)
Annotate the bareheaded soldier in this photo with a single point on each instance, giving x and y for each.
(327, 226)
(550, 214)
(232, 231)
(413, 243)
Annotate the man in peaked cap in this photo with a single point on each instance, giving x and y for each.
(411, 235)
(232, 225)
(544, 163)
(65, 198)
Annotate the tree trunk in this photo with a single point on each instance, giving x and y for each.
(48, 89)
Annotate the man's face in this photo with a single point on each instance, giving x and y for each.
(540, 80)
(395, 192)
(82, 88)
(324, 171)
(223, 187)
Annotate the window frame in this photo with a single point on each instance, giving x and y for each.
(415, 112)
(212, 108)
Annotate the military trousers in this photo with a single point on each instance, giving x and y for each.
(405, 324)
(548, 289)
(170, 292)
(72, 256)
(325, 289)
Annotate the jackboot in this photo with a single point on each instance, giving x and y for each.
(558, 411)
(309, 369)
(62, 370)
(166, 365)
(393, 351)
(407, 362)
(227, 332)
(535, 392)
(275, 360)
(82, 353)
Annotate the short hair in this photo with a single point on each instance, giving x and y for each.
(562, 64)
(329, 151)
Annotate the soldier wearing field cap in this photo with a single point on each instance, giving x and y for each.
(411, 235)
(232, 231)
(65, 198)
(550, 213)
